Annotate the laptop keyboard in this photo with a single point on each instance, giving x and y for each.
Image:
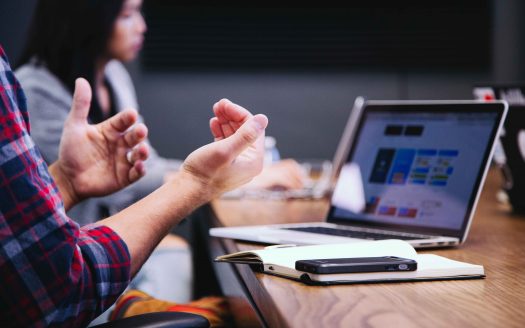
(358, 234)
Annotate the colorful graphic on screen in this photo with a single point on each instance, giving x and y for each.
(416, 166)
(419, 168)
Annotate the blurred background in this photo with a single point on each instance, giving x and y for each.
(304, 65)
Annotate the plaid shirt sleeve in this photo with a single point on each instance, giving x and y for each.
(51, 271)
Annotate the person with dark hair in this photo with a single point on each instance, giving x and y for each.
(55, 273)
(70, 39)
(91, 39)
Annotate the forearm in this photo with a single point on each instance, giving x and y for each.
(143, 225)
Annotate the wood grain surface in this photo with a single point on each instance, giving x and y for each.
(496, 240)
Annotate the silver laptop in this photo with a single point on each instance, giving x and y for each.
(412, 170)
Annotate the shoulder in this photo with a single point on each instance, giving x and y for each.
(115, 69)
(118, 75)
(37, 80)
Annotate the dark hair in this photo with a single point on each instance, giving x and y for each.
(68, 36)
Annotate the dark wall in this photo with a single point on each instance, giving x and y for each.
(14, 20)
(307, 109)
(509, 40)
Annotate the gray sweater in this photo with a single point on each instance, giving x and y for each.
(49, 102)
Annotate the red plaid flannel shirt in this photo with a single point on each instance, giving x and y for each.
(52, 273)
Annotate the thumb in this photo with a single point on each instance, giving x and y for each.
(81, 101)
(246, 135)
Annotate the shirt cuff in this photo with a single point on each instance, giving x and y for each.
(109, 261)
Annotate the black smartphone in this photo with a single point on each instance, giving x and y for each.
(356, 264)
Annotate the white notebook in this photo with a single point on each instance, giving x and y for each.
(280, 260)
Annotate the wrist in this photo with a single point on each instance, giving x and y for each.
(65, 186)
(198, 189)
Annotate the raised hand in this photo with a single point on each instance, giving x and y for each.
(284, 174)
(236, 156)
(96, 160)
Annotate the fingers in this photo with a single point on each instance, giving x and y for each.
(230, 116)
(246, 135)
(216, 130)
(136, 135)
(139, 153)
(291, 180)
(122, 121)
(294, 171)
(137, 171)
(136, 158)
(227, 111)
(227, 130)
(81, 101)
(286, 174)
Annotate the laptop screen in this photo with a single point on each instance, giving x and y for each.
(416, 166)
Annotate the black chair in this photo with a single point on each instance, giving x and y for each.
(159, 320)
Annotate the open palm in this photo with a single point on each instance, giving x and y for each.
(103, 158)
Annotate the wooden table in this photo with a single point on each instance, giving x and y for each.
(496, 240)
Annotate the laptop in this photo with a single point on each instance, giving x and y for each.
(413, 170)
(326, 172)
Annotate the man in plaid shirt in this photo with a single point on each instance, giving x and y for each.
(51, 271)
